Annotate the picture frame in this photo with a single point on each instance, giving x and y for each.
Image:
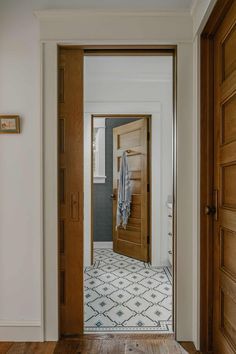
(9, 124)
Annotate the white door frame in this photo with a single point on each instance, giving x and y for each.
(49, 95)
(114, 28)
(105, 28)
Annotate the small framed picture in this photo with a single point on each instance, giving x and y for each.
(9, 124)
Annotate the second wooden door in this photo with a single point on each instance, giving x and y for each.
(132, 138)
(224, 312)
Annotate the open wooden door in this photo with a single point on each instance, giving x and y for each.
(134, 240)
(224, 312)
(70, 181)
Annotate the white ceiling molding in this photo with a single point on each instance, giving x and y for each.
(193, 7)
(200, 12)
(184, 23)
(90, 25)
(61, 13)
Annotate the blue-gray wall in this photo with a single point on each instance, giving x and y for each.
(102, 203)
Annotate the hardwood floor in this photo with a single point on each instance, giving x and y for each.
(121, 344)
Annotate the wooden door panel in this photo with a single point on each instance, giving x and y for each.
(228, 188)
(132, 137)
(224, 320)
(229, 120)
(228, 317)
(227, 251)
(70, 189)
(136, 186)
(136, 211)
(128, 140)
(132, 236)
(228, 60)
(227, 152)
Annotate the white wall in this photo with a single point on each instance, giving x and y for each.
(20, 162)
(135, 85)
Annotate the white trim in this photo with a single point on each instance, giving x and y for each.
(124, 107)
(5, 323)
(103, 245)
(62, 13)
(100, 152)
(99, 122)
(99, 179)
(193, 7)
(21, 332)
(200, 15)
(50, 217)
(41, 161)
(184, 188)
(129, 27)
(147, 107)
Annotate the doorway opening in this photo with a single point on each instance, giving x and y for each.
(123, 291)
(128, 128)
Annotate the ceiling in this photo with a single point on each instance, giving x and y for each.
(118, 5)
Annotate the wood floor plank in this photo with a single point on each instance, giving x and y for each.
(113, 346)
(5, 346)
(153, 346)
(101, 344)
(68, 347)
(18, 348)
(143, 347)
(32, 348)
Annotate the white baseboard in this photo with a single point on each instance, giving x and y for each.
(21, 331)
(103, 245)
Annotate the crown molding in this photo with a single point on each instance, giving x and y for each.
(193, 7)
(62, 13)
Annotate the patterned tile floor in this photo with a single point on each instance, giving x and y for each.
(123, 294)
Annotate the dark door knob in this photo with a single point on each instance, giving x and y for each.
(210, 210)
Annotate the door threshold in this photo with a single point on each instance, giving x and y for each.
(115, 331)
(115, 335)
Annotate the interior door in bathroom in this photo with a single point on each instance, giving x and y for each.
(132, 138)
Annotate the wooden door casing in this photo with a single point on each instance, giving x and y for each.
(133, 138)
(224, 234)
(70, 183)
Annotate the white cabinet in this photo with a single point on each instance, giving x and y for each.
(170, 231)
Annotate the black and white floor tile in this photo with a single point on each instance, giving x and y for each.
(123, 294)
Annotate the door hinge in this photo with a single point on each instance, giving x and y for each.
(148, 239)
(148, 188)
(148, 135)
